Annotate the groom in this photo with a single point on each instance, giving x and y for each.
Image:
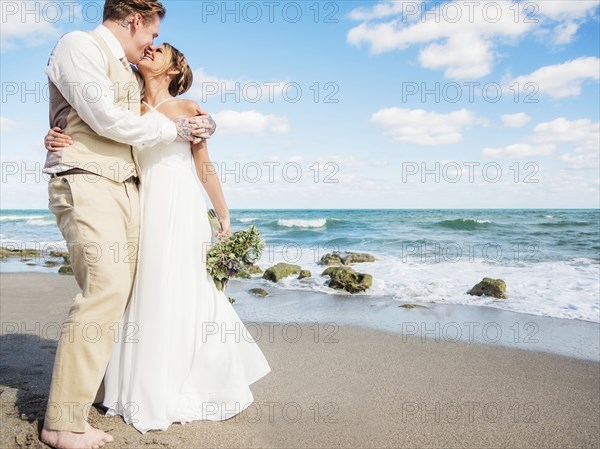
(93, 192)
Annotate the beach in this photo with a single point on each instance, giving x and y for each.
(334, 383)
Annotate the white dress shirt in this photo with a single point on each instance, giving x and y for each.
(78, 61)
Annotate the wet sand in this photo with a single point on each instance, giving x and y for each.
(330, 386)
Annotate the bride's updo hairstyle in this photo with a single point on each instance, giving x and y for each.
(174, 59)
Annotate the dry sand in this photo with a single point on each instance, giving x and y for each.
(346, 387)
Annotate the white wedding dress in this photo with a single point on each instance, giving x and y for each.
(182, 353)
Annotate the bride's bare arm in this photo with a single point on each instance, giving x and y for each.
(210, 180)
(204, 167)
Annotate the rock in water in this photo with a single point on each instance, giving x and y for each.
(304, 274)
(248, 271)
(489, 287)
(358, 258)
(280, 271)
(345, 278)
(259, 292)
(331, 259)
(345, 258)
(254, 269)
(65, 269)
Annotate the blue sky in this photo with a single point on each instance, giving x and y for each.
(360, 134)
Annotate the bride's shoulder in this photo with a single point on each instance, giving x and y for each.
(186, 106)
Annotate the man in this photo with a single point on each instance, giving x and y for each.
(93, 192)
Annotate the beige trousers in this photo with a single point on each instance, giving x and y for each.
(99, 219)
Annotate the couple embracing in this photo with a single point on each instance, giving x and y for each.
(126, 177)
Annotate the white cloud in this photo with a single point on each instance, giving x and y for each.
(461, 37)
(425, 127)
(384, 9)
(251, 122)
(464, 55)
(7, 125)
(209, 87)
(517, 120)
(582, 161)
(583, 134)
(568, 13)
(561, 80)
(564, 32)
(519, 150)
(31, 23)
(565, 9)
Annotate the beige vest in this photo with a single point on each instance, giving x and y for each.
(90, 151)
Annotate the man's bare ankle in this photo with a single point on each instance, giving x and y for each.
(92, 437)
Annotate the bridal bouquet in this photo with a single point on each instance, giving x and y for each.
(234, 254)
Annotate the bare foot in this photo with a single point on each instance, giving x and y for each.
(92, 438)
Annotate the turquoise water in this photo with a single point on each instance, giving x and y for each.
(549, 259)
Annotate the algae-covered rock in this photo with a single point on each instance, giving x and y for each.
(331, 259)
(254, 269)
(23, 253)
(330, 270)
(345, 278)
(345, 258)
(259, 292)
(358, 258)
(247, 272)
(304, 274)
(489, 287)
(65, 269)
(280, 271)
(413, 306)
(58, 254)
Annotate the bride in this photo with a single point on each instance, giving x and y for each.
(181, 353)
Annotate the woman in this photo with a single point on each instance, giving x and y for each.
(181, 353)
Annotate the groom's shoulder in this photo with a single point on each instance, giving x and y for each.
(76, 41)
(75, 37)
(76, 44)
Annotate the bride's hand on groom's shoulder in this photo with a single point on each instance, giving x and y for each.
(56, 140)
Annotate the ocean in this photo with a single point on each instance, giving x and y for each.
(549, 259)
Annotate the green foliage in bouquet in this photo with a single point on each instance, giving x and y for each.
(233, 254)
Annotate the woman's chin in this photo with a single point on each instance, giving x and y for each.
(143, 65)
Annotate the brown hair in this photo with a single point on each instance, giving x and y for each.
(120, 9)
(174, 59)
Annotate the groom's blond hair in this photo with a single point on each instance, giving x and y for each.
(117, 10)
